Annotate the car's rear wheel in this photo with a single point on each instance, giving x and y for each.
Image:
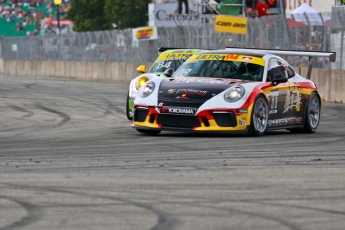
(259, 117)
(312, 116)
(149, 132)
(129, 112)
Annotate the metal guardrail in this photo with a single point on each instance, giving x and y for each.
(297, 32)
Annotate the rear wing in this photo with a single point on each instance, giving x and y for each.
(162, 49)
(310, 54)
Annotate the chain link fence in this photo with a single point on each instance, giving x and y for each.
(294, 32)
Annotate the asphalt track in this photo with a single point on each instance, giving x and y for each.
(70, 160)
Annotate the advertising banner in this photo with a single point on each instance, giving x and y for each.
(165, 15)
(143, 34)
(231, 24)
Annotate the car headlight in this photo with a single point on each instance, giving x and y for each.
(147, 89)
(141, 81)
(235, 93)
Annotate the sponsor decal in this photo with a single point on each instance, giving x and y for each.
(242, 123)
(183, 97)
(176, 110)
(277, 122)
(210, 57)
(244, 58)
(227, 57)
(161, 91)
(293, 98)
(170, 91)
(294, 120)
(178, 56)
(273, 111)
(160, 104)
(192, 92)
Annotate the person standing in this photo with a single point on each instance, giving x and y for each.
(262, 8)
(179, 9)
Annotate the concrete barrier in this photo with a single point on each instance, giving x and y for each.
(337, 86)
(59, 69)
(330, 83)
(80, 70)
(20, 68)
(321, 78)
(98, 71)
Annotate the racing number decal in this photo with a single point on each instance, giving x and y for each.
(232, 57)
(274, 102)
(183, 72)
(161, 65)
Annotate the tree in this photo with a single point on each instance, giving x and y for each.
(127, 14)
(94, 15)
(88, 15)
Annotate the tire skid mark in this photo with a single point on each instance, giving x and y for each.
(29, 86)
(65, 117)
(105, 113)
(266, 202)
(113, 107)
(278, 220)
(20, 109)
(33, 214)
(164, 221)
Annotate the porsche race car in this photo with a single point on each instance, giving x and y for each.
(231, 90)
(169, 58)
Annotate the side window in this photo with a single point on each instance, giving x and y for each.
(274, 62)
(291, 72)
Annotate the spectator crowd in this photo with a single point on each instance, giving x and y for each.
(26, 16)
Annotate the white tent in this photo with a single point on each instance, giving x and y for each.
(314, 18)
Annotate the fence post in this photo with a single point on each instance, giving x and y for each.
(342, 39)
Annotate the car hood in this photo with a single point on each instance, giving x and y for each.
(192, 90)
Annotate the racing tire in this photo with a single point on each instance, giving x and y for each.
(312, 115)
(259, 117)
(129, 113)
(149, 132)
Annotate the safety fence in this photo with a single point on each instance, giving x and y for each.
(295, 32)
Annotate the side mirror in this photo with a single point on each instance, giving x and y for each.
(169, 72)
(141, 69)
(280, 78)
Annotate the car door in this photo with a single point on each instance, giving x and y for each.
(295, 102)
(278, 98)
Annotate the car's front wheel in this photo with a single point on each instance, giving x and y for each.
(149, 132)
(259, 117)
(129, 112)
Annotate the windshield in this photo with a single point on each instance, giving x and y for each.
(223, 66)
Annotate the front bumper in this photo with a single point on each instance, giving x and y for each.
(228, 120)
